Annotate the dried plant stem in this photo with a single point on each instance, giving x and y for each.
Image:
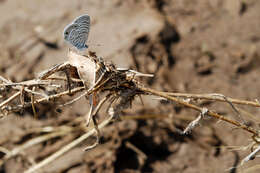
(32, 102)
(60, 95)
(251, 155)
(67, 147)
(57, 78)
(29, 83)
(32, 142)
(93, 116)
(137, 150)
(214, 97)
(73, 91)
(51, 97)
(3, 79)
(200, 109)
(58, 67)
(10, 99)
(144, 116)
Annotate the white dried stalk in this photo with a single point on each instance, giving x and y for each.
(195, 122)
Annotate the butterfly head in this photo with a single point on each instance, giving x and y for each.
(68, 29)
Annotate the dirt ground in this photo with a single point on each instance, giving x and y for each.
(198, 46)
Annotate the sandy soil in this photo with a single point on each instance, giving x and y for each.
(199, 46)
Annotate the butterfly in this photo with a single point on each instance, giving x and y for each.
(77, 32)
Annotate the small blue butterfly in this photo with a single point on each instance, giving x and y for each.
(76, 33)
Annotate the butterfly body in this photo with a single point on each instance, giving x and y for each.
(77, 32)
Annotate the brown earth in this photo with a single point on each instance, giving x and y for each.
(199, 46)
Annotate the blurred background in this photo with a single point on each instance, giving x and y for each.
(198, 46)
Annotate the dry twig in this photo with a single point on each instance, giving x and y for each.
(67, 148)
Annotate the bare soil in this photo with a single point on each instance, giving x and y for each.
(198, 46)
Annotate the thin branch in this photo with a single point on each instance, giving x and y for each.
(214, 97)
(58, 67)
(195, 122)
(32, 142)
(64, 79)
(32, 102)
(137, 150)
(94, 112)
(10, 99)
(233, 107)
(29, 83)
(51, 97)
(67, 148)
(200, 109)
(251, 156)
(75, 99)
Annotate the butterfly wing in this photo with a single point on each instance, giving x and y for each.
(76, 33)
(84, 26)
(75, 38)
(67, 31)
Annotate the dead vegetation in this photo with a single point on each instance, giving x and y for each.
(145, 124)
(92, 77)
